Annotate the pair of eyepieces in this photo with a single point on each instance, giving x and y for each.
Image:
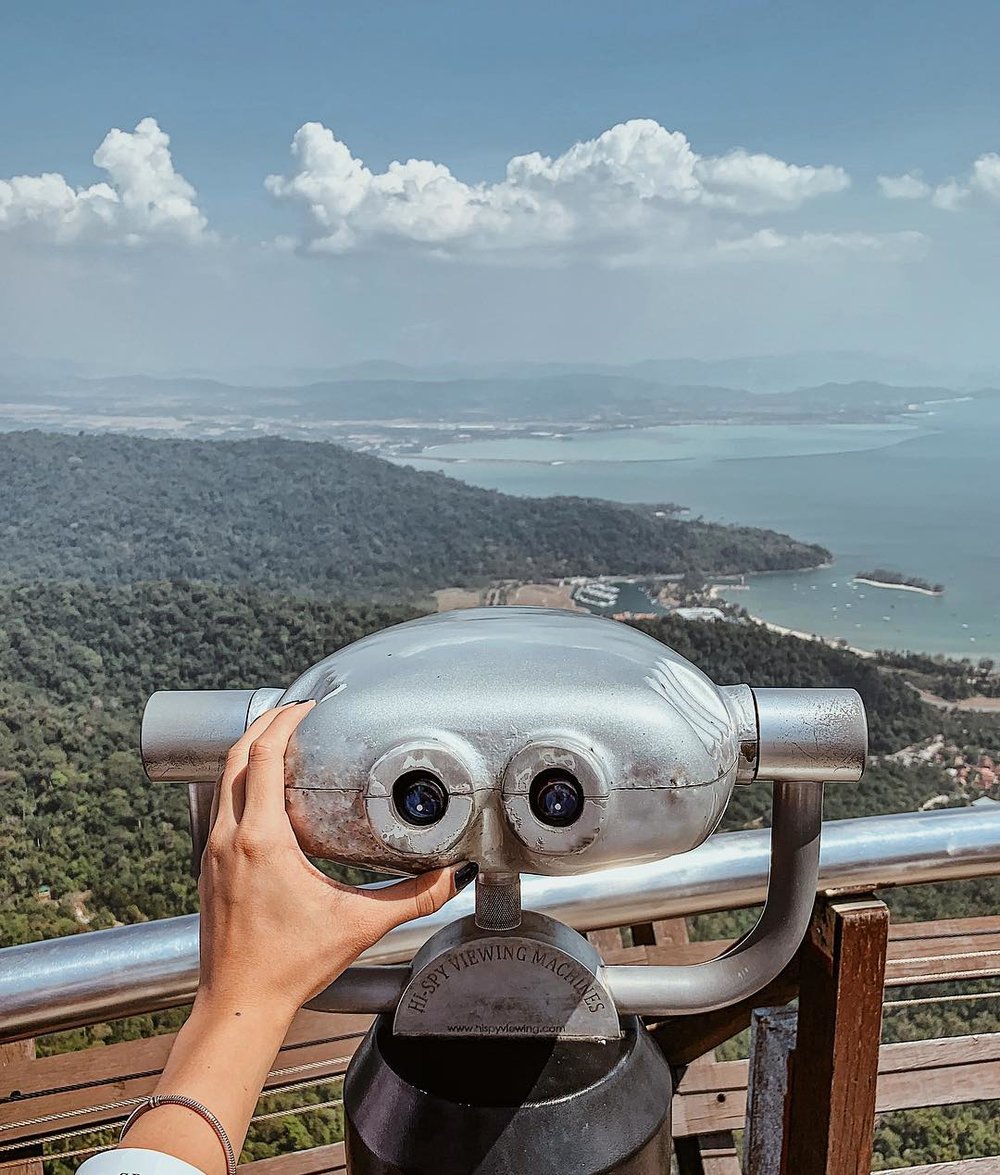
(555, 796)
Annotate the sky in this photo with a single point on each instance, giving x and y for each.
(245, 186)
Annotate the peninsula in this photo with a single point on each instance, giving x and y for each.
(880, 577)
(349, 525)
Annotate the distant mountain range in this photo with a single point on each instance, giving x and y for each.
(581, 397)
(754, 373)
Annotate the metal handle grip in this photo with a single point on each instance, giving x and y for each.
(187, 733)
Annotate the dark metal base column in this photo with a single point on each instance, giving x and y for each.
(494, 1107)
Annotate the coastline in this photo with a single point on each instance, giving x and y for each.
(784, 630)
(720, 579)
(899, 587)
(965, 624)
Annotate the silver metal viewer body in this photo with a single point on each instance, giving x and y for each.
(639, 746)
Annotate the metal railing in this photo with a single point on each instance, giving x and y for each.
(83, 979)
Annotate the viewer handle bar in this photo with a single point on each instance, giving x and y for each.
(798, 735)
(765, 951)
(185, 737)
(186, 734)
(810, 735)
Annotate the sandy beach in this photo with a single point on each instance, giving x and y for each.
(812, 636)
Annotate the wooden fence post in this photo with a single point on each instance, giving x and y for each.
(22, 1050)
(834, 1069)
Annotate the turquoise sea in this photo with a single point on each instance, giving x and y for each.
(921, 497)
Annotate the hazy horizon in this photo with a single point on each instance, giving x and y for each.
(761, 372)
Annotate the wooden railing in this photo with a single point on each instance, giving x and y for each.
(62, 1100)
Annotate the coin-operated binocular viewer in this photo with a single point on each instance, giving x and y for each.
(527, 741)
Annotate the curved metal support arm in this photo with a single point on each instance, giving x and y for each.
(365, 989)
(760, 955)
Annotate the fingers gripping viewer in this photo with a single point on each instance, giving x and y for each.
(274, 932)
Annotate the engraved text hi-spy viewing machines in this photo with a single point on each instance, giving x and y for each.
(528, 741)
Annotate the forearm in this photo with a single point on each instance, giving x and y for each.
(274, 931)
(221, 1058)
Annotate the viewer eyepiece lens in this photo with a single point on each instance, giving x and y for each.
(420, 798)
(556, 798)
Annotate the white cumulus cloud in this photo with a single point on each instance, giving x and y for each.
(637, 187)
(142, 199)
(904, 187)
(767, 242)
(986, 175)
(982, 183)
(950, 195)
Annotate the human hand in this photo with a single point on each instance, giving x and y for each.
(274, 929)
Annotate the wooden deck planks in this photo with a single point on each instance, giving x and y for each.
(317, 1161)
(77, 1085)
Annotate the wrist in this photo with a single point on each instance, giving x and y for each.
(255, 1011)
(220, 1059)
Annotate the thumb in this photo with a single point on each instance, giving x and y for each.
(416, 897)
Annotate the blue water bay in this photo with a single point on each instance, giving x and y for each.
(920, 497)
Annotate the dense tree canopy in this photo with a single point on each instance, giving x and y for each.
(114, 509)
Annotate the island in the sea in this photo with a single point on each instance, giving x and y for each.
(880, 577)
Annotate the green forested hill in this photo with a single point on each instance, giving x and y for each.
(115, 509)
(76, 666)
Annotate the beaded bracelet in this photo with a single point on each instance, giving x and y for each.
(174, 1099)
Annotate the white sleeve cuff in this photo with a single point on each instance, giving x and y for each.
(133, 1161)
